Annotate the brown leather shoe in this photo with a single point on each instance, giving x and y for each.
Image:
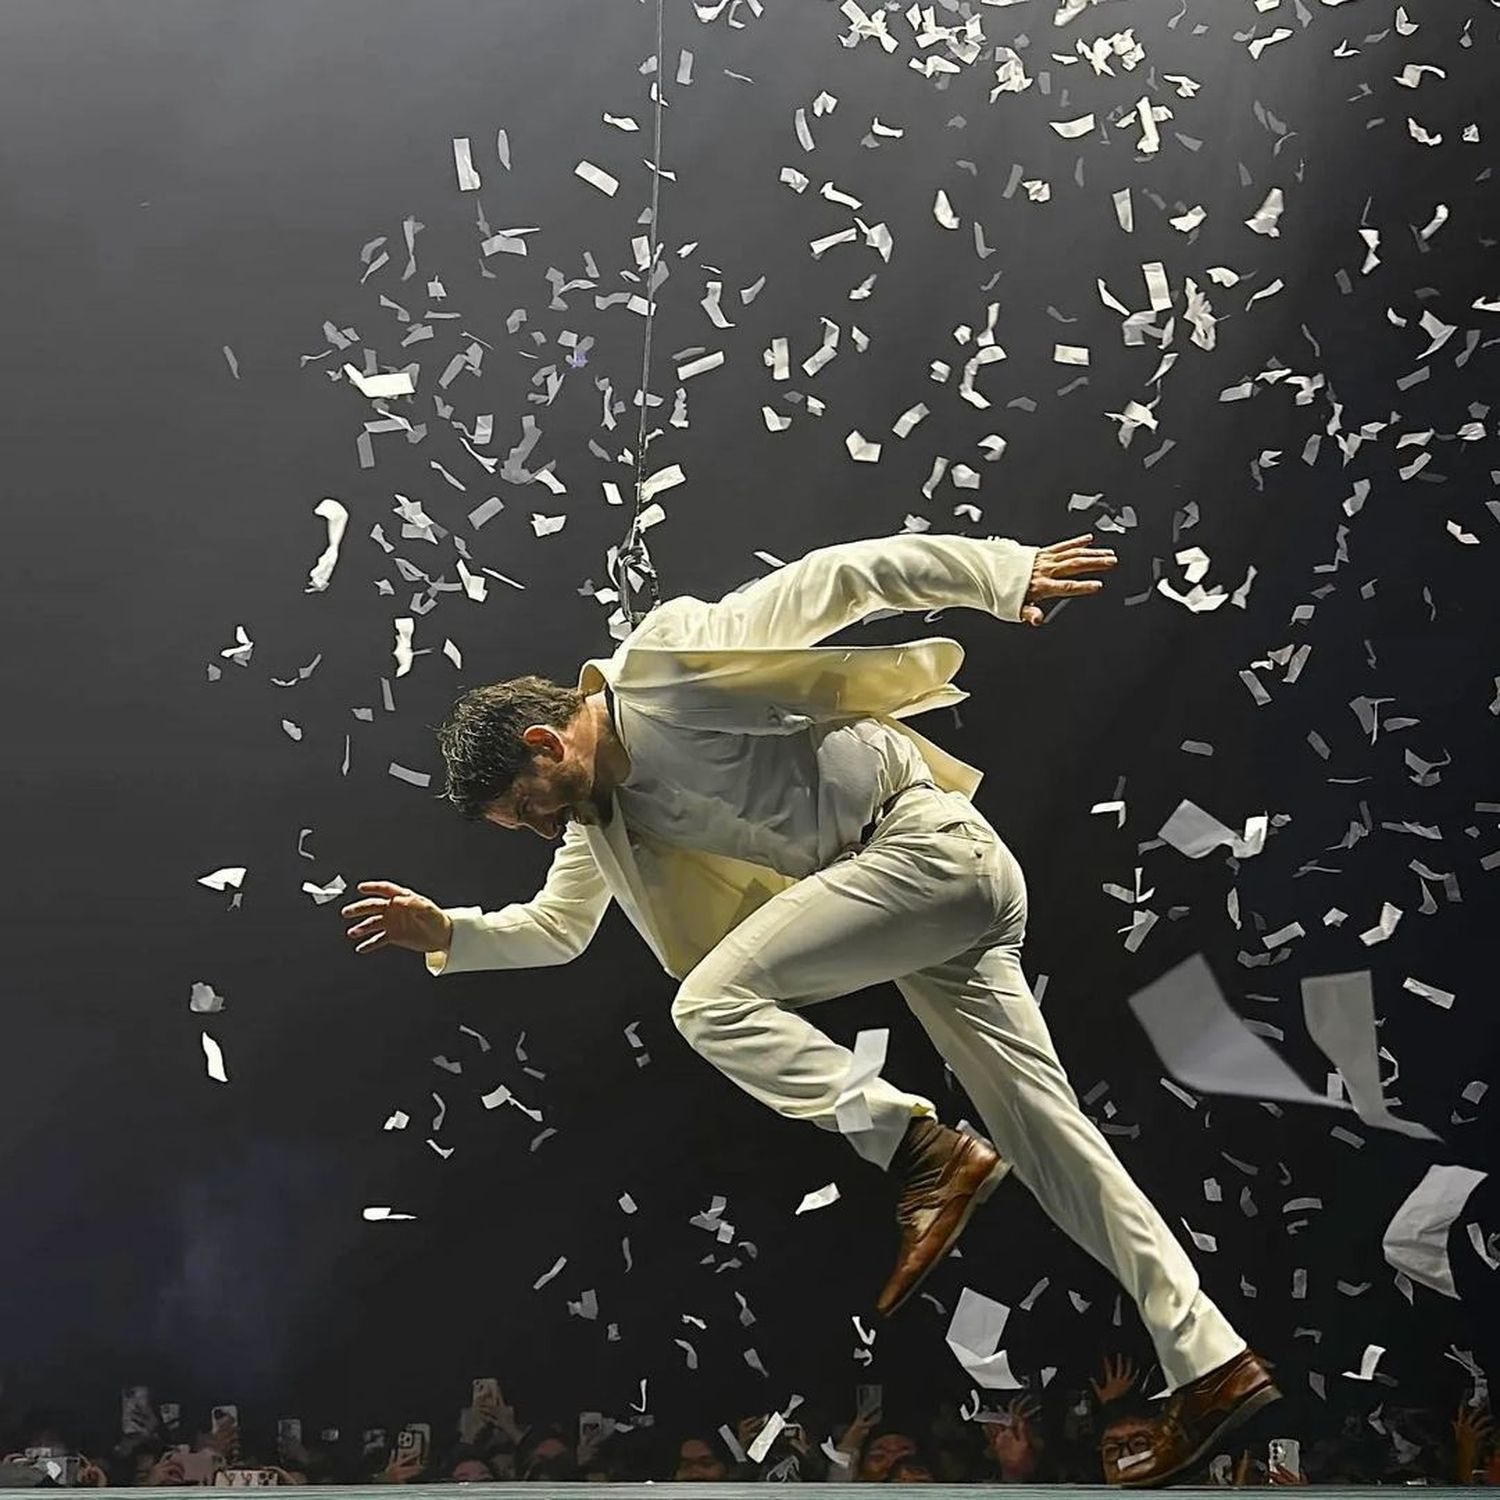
(1197, 1415)
(947, 1176)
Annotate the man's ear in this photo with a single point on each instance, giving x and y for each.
(544, 741)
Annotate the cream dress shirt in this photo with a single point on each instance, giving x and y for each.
(789, 802)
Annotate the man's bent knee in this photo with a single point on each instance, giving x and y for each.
(693, 1008)
(700, 1008)
(685, 1008)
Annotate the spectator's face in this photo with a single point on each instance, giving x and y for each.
(548, 1448)
(471, 1471)
(696, 1461)
(881, 1455)
(1122, 1438)
(911, 1471)
(1014, 1448)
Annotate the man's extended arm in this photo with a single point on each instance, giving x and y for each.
(822, 592)
(554, 927)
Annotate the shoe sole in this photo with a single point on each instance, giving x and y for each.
(1258, 1401)
(997, 1174)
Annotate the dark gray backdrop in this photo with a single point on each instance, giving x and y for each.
(179, 177)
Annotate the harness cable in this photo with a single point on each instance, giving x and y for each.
(634, 555)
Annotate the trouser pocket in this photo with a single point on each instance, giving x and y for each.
(968, 828)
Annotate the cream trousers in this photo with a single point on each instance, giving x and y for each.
(936, 902)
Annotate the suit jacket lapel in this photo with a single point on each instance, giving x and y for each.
(610, 847)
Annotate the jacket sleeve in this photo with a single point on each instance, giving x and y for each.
(555, 926)
(822, 592)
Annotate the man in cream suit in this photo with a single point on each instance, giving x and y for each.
(778, 834)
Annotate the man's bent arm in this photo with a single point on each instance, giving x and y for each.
(832, 587)
(554, 927)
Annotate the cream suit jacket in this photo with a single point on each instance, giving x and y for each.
(749, 664)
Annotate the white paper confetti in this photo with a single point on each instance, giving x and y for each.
(1416, 1239)
(213, 1056)
(1266, 219)
(820, 1198)
(1071, 130)
(468, 178)
(597, 177)
(1368, 1360)
(974, 1337)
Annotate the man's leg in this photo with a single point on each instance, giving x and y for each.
(909, 898)
(927, 885)
(980, 1014)
(899, 904)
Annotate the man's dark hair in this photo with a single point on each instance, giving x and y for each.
(481, 737)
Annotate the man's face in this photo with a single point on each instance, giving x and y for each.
(471, 1471)
(558, 787)
(696, 1462)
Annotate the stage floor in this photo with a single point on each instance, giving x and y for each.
(541, 1489)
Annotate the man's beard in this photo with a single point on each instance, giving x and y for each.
(587, 804)
(600, 810)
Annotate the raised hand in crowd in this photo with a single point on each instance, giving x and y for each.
(587, 1447)
(403, 1467)
(167, 1470)
(495, 1408)
(856, 1434)
(1014, 1441)
(292, 1450)
(1022, 1409)
(224, 1438)
(747, 1428)
(1471, 1430)
(1120, 1376)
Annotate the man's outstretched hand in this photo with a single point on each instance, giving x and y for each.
(1054, 575)
(398, 917)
